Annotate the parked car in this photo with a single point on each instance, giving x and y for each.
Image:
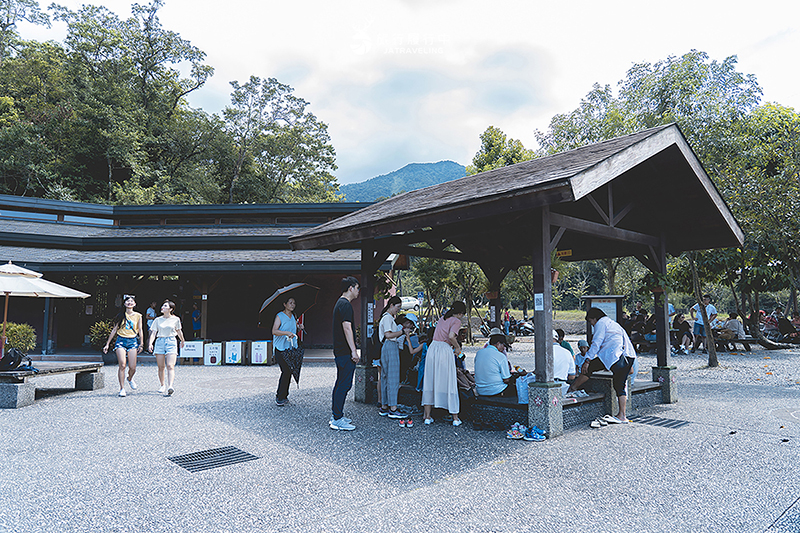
(409, 302)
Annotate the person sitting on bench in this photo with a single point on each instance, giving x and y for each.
(563, 363)
(612, 350)
(492, 371)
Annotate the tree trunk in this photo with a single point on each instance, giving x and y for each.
(611, 269)
(712, 345)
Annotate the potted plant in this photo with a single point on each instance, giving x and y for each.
(98, 335)
(20, 336)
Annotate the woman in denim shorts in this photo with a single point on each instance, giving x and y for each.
(164, 336)
(128, 329)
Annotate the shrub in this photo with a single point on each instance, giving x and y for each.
(21, 336)
(99, 332)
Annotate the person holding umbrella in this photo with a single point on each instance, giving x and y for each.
(130, 341)
(284, 331)
(164, 336)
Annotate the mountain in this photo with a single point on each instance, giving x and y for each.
(411, 177)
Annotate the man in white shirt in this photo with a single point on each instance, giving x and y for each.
(699, 328)
(492, 370)
(612, 350)
(563, 364)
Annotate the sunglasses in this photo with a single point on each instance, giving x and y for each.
(126, 296)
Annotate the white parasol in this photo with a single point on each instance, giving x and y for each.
(18, 281)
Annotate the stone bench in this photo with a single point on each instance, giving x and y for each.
(16, 390)
(575, 411)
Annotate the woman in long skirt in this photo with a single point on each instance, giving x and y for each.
(390, 333)
(439, 385)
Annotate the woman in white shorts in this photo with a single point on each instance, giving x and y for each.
(164, 336)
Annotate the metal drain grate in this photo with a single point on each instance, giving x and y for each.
(662, 422)
(208, 459)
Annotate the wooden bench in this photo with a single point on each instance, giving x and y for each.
(17, 391)
(746, 342)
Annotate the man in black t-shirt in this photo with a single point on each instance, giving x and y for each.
(344, 352)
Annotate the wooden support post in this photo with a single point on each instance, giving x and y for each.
(366, 375)
(367, 298)
(543, 298)
(662, 311)
(495, 275)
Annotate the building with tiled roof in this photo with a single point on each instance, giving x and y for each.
(227, 258)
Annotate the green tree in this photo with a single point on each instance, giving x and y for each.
(498, 151)
(12, 12)
(279, 147)
(434, 275)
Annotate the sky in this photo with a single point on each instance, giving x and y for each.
(416, 81)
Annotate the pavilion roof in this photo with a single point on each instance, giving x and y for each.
(644, 186)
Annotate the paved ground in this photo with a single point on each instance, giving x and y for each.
(90, 461)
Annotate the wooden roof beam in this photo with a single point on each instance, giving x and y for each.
(600, 230)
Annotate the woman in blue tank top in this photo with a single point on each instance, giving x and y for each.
(284, 332)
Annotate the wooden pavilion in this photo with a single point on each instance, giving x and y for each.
(642, 195)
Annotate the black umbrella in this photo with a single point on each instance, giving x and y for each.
(304, 295)
(294, 358)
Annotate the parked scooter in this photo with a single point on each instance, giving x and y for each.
(524, 328)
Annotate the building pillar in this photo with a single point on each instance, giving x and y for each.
(545, 409)
(544, 395)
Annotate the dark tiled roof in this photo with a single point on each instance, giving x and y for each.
(60, 229)
(44, 255)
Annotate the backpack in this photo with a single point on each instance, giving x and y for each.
(11, 360)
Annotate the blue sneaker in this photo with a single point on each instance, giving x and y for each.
(396, 414)
(348, 420)
(532, 435)
(539, 431)
(281, 403)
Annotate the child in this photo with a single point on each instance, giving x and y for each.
(583, 347)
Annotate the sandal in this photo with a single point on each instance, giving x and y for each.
(612, 419)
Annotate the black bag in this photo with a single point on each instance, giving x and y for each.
(11, 360)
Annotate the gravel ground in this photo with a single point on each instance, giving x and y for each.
(79, 461)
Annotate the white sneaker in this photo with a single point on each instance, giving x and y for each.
(122, 393)
(428, 421)
(132, 384)
(341, 425)
(162, 389)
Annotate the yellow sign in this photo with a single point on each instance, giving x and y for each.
(563, 253)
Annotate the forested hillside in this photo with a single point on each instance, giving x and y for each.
(411, 177)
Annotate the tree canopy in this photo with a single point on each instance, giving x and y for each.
(103, 117)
